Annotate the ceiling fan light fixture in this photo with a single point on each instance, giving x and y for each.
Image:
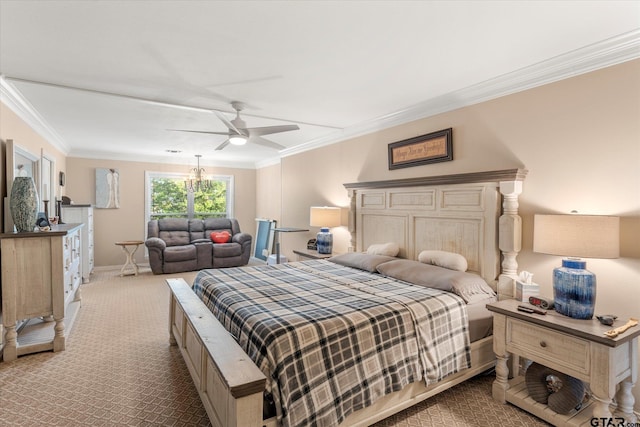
(238, 139)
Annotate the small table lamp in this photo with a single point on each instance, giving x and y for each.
(324, 217)
(589, 236)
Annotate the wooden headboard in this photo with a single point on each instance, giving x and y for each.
(473, 214)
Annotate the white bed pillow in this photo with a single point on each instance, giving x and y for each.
(360, 260)
(387, 249)
(449, 260)
(470, 287)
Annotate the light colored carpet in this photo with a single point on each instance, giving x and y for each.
(119, 370)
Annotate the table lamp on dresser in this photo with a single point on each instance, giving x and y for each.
(589, 236)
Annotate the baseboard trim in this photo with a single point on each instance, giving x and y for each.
(117, 267)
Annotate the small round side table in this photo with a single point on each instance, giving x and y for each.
(130, 247)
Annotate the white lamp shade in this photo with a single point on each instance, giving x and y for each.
(324, 216)
(586, 236)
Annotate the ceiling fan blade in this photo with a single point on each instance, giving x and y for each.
(228, 123)
(199, 131)
(221, 146)
(265, 142)
(266, 130)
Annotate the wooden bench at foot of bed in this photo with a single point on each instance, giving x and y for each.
(230, 385)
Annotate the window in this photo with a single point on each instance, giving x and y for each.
(167, 197)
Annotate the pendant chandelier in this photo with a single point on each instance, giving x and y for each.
(197, 180)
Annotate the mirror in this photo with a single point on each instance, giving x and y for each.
(19, 162)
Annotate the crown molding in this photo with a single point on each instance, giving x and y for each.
(14, 100)
(272, 161)
(179, 160)
(612, 51)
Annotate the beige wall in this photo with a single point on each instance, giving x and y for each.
(579, 139)
(14, 128)
(268, 199)
(127, 222)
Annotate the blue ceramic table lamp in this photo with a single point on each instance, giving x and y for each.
(324, 217)
(589, 236)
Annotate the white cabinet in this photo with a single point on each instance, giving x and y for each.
(82, 214)
(40, 288)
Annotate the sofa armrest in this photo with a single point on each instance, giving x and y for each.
(156, 254)
(244, 240)
(155, 243)
(241, 238)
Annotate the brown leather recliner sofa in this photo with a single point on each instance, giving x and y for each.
(178, 244)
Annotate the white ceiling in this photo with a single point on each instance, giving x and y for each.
(336, 68)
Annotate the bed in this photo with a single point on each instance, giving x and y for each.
(236, 356)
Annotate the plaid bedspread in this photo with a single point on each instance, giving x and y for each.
(332, 339)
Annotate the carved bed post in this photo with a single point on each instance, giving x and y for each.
(510, 241)
(352, 219)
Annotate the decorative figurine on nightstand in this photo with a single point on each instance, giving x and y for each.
(607, 319)
(622, 329)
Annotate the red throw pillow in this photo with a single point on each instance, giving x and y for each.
(220, 236)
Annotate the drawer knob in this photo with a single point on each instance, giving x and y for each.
(543, 344)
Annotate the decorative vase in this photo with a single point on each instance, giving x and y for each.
(324, 239)
(574, 289)
(23, 203)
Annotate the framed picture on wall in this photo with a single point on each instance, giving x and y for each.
(107, 188)
(421, 150)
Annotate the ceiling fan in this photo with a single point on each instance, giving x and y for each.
(240, 134)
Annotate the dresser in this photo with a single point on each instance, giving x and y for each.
(574, 347)
(82, 214)
(40, 288)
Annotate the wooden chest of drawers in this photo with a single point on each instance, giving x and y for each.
(40, 288)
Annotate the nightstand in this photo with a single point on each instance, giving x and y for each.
(307, 254)
(575, 347)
